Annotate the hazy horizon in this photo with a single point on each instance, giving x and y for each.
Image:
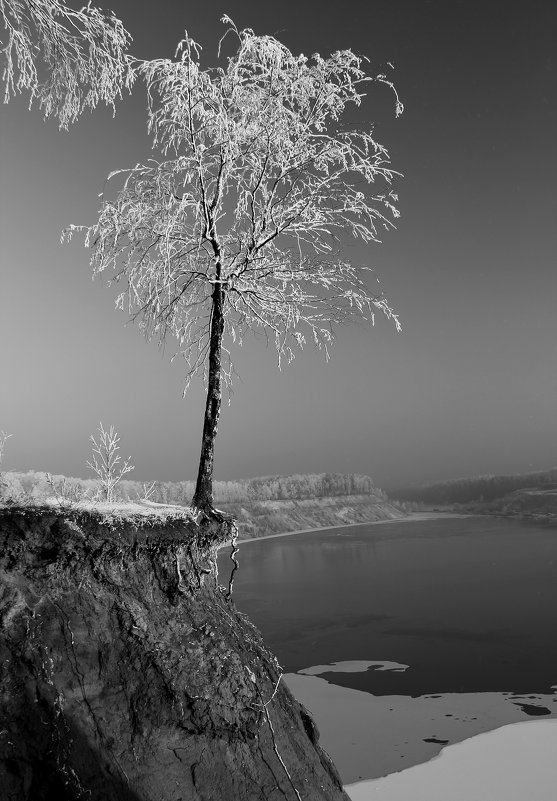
(470, 385)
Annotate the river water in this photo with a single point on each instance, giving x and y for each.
(469, 604)
(429, 621)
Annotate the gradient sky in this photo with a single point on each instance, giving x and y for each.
(468, 387)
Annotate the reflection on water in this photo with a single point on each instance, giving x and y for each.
(445, 627)
(470, 605)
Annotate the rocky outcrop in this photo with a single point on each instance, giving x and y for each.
(127, 674)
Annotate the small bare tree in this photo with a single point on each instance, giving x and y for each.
(83, 55)
(4, 484)
(106, 461)
(65, 490)
(3, 437)
(239, 225)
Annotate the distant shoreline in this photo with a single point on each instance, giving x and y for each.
(412, 517)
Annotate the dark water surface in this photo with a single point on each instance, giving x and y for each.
(470, 604)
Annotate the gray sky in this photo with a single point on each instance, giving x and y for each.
(469, 386)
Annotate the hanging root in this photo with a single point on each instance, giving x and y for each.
(233, 551)
(266, 703)
(181, 584)
(264, 706)
(275, 749)
(198, 569)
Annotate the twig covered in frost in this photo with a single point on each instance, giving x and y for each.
(63, 490)
(3, 437)
(67, 60)
(3, 483)
(107, 465)
(148, 490)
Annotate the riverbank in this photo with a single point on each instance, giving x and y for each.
(412, 517)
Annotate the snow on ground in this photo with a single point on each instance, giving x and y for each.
(514, 763)
(369, 736)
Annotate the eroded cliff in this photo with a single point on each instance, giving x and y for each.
(126, 673)
(276, 517)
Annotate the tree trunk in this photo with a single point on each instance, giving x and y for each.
(203, 496)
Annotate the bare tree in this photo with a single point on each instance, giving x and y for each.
(238, 225)
(65, 59)
(3, 437)
(3, 482)
(107, 466)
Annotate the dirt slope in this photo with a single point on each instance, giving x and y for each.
(126, 673)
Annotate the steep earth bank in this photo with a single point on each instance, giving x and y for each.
(126, 674)
(261, 518)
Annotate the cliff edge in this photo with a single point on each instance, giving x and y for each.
(262, 518)
(126, 673)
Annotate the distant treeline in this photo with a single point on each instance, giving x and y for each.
(477, 488)
(39, 485)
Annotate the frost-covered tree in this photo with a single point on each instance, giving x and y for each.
(106, 462)
(66, 60)
(238, 224)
